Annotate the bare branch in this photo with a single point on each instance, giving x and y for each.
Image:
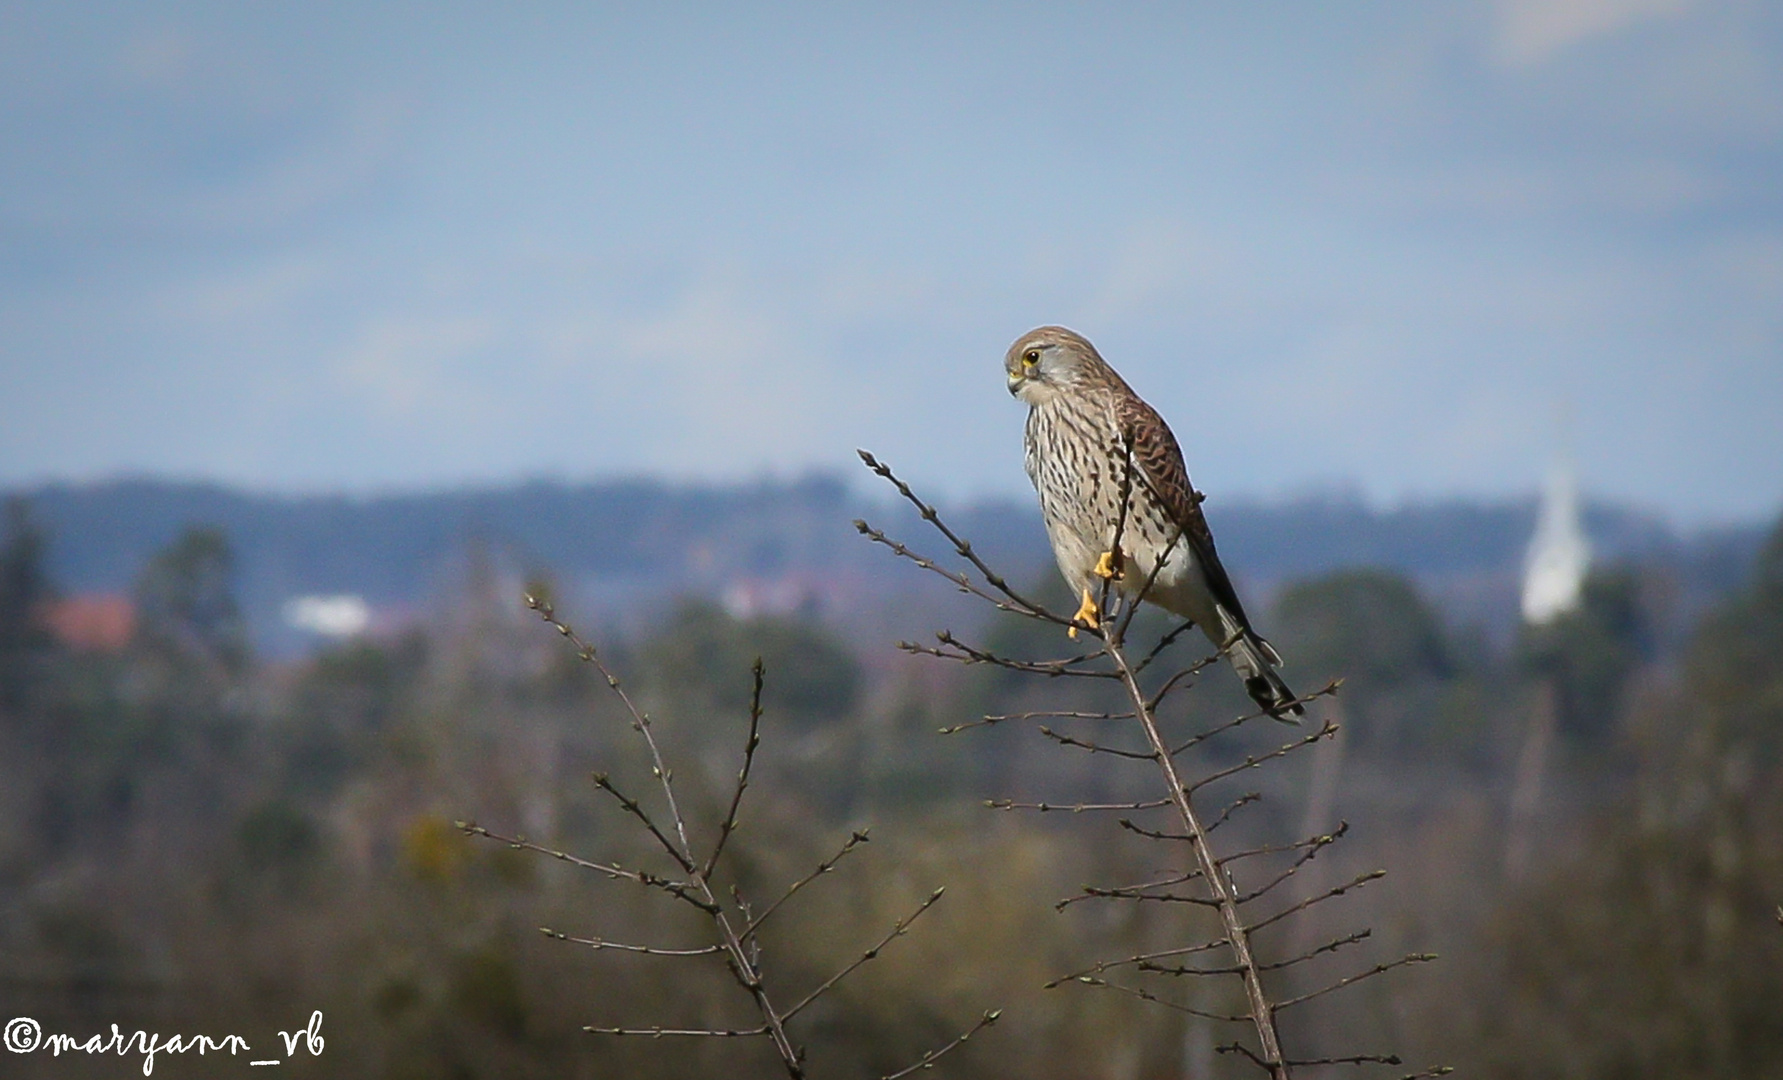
(752, 942)
(605, 783)
(1219, 729)
(1354, 883)
(601, 943)
(1075, 808)
(1356, 1059)
(995, 719)
(1278, 849)
(1359, 1059)
(1251, 762)
(967, 654)
(640, 720)
(1206, 946)
(1182, 676)
(1240, 1048)
(960, 581)
(896, 931)
(1170, 638)
(929, 515)
(1094, 748)
(1316, 845)
(729, 825)
(1236, 805)
(1237, 935)
(1160, 969)
(1409, 958)
(680, 889)
(1237, 722)
(1147, 995)
(1329, 946)
(927, 1061)
(1126, 892)
(854, 840)
(1153, 834)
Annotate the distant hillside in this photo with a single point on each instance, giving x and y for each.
(620, 544)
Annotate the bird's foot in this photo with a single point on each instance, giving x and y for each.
(1105, 568)
(1086, 614)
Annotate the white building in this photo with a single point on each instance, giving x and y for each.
(1554, 570)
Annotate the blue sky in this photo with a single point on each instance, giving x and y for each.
(1378, 246)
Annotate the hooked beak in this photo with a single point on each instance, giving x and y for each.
(1015, 379)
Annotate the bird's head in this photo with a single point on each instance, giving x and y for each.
(1045, 362)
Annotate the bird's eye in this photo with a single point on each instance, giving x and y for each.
(1031, 357)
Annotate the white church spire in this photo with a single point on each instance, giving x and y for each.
(1554, 570)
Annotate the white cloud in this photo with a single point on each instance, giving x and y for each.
(1532, 31)
(403, 365)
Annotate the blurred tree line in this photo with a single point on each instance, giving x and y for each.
(195, 839)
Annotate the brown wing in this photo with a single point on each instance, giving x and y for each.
(1160, 463)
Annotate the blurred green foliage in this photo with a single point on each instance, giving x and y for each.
(1735, 664)
(1368, 627)
(24, 589)
(701, 658)
(186, 600)
(1590, 652)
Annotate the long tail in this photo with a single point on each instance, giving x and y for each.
(1255, 661)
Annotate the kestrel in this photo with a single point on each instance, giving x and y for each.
(1083, 420)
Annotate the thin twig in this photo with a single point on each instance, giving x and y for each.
(1075, 808)
(970, 655)
(1409, 958)
(1251, 762)
(602, 943)
(1153, 834)
(1318, 844)
(965, 549)
(1147, 995)
(640, 719)
(1168, 640)
(1358, 1059)
(1279, 849)
(854, 840)
(1002, 718)
(1355, 1059)
(1236, 805)
(1354, 883)
(1124, 892)
(1185, 950)
(960, 581)
(1329, 946)
(1239, 721)
(927, 1061)
(605, 783)
(1094, 748)
(896, 931)
(729, 824)
(683, 890)
(1157, 699)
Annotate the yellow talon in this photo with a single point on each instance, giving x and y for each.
(1086, 614)
(1105, 567)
